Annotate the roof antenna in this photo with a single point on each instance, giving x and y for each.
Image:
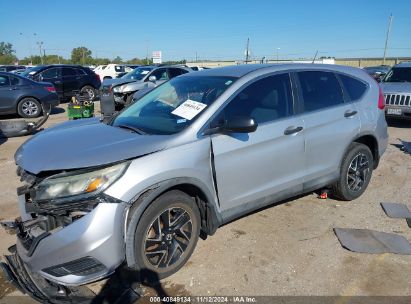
(315, 56)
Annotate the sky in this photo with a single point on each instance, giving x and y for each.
(212, 29)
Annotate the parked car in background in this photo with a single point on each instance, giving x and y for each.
(112, 70)
(145, 76)
(377, 72)
(24, 96)
(193, 154)
(67, 79)
(9, 68)
(396, 86)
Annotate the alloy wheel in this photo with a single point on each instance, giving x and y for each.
(168, 237)
(29, 108)
(358, 172)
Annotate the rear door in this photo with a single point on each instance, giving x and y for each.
(7, 96)
(330, 125)
(71, 81)
(53, 75)
(251, 169)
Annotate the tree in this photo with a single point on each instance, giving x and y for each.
(81, 55)
(6, 49)
(117, 60)
(7, 53)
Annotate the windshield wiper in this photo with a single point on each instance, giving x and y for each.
(134, 129)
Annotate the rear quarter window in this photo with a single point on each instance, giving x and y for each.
(354, 87)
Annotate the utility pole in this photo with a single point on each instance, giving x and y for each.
(40, 43)
(83, 55)
(386, 39)
(196, 56)
(277, 53)
(29, 44)
(247, 51)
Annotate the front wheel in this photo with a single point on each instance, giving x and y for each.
(165, 236)
(355, 173)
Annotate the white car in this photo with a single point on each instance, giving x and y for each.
(111, 70)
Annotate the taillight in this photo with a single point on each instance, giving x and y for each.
(381, 100)
(97, 76)
(51, 89)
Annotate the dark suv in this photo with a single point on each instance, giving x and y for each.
(67, 79)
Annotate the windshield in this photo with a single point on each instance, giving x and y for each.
(173, 106)
(398, 75)
(137, 74)
(30, 71)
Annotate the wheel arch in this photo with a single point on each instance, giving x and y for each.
(210, 217)
(25, 96)
(371, 142)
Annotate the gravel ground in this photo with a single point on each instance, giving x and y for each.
(286, 249)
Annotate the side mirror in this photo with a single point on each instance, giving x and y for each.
(152, 79)
(240, 124)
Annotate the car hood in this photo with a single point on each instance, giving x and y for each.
(116, 82)
(84, 143)
(396, 87)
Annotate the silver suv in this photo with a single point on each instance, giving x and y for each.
(396, 86)
(194, 153)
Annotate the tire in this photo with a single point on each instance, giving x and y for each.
(168, 248)
(355, 173)
(29, 107)
(90, 90)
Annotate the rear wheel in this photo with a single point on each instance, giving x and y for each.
(165, 236)
(29, 107)
(89, 90)
(356, 171)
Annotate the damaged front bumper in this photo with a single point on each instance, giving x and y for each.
(71, 244)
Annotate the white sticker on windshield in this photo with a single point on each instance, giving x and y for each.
(144, 72)
(189, 109)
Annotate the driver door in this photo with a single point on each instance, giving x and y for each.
(253, 169)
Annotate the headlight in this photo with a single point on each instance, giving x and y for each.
(83, 184)
(117, 89)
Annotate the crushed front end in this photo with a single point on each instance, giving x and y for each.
(64, 242)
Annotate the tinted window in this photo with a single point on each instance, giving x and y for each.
(354, 87)
(161, 74)
(320, 90)
(14, 81)
(119, 68)
(174, 72)
(51, 73)
(265, 100)
(81, 72)
(4, 81)
(69, 72)
(398, 75)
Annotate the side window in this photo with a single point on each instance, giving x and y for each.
(4, 81)
(161, 74)
(14, 81)
(69, 72)
(354, 87)
(265, 100)
(81, 72)
(174, 72)
(51, 73)
(320, 90)
(119, 68)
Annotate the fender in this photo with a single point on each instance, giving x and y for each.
(211, 217)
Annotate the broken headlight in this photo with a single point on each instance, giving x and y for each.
(78, 184)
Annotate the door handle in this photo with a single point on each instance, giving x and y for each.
(57, 82)
(349, 113)
(13, 89)
(292, 130)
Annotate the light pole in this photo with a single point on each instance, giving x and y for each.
(40, 44)
(277, 53)
(29, 44)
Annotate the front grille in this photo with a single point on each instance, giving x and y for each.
(81, 267)
(398, 99)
